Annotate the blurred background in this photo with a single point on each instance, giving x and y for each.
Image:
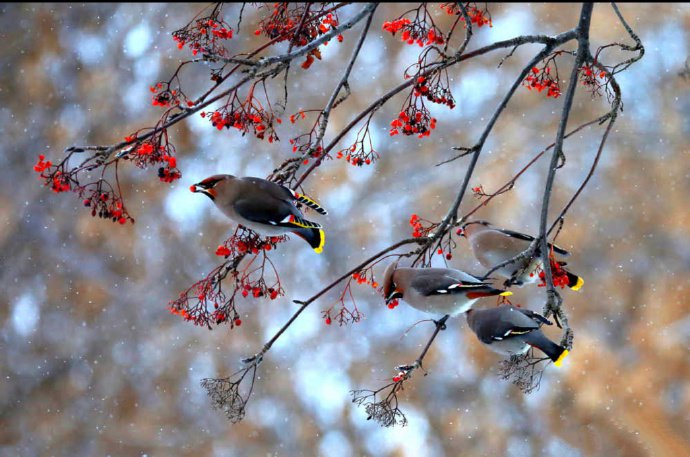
(92, 362)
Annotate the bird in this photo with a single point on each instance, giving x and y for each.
(492, 245)
(436, 290)
(509, 330)
(266, 207)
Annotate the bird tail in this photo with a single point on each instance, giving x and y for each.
(555, 352)
(575, 282)
(315, 236)
(306, 200)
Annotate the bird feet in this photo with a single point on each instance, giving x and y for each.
(440, 324)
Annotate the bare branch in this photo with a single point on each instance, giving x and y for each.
(334, 100)
(553, 298)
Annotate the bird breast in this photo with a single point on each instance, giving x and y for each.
(262, 229)
(511, 346)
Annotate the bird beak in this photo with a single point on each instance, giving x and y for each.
(196, 188)
(397, 293)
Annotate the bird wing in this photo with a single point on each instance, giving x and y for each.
(431, 283)
(269, 188)
(257, 208)
(504, 322)
(283, 193)
(536, 317)
(276, 213)
(530, 238)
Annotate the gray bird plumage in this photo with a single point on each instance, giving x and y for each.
(436, 290)
(492, 245)
(263, 206)
(509, 330)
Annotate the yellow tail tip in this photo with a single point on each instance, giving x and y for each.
(319, 248)
(561, 357)
(507, 293)
(579, 283)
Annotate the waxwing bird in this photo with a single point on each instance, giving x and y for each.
(436, 290)
(509, 330)
(493, 245)
(263, 206)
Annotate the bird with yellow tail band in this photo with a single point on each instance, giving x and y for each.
(509, 331)
(492, 246)
(436, 290)
(263, 206)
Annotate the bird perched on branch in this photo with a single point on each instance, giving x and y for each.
(263, 206)
(509, 330)
(436, 290)
(493, 245)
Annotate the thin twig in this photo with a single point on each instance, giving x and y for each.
(325, 114)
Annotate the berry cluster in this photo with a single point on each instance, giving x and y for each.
(303, 145)
(542, 79)
(260, 289)
(245, 241)
(417, 32)
(344, 313)
(283, 23)
(247, 116)
(395, 26)
(58, 181)
(393, 303)
(416, 223)
(205, 36)
(434, 89)
(362, 151)
(413, 121)
(155, 151)
(290, 21)
(164, 96)
(207, 303)
(590, 79)
(558, 273)
(106, 205)
(365, 277)
(477, 17)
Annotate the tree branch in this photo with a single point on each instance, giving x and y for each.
(517, 41)
(553, 302)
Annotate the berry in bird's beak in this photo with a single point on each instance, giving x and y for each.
(192, 188)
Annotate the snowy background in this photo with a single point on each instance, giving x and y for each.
(92, 363)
